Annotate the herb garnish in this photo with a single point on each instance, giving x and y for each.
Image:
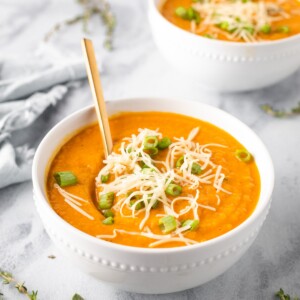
(268, 109)
(8, 279)
(51, 256)
(99, 8)
(77, 297)
(282, 296)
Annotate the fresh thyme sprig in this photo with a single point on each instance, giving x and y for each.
(282, 296)
(99, 8)
(268, 109)
(9, 279)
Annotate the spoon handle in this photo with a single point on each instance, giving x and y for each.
(97, 92)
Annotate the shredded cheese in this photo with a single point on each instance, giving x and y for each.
(160, 239)
(73, 201)
(131, 182)
(239, 19)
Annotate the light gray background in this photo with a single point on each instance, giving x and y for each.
(136, 68)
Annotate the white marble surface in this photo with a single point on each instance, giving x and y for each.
(136, 68)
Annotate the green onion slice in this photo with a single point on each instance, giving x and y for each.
(283, 29)
(181, 12)
(155, 204)
(167, 224)
(150, 142)
(187, 14)
(243, 155)
(180, 162)
(209, 36)
(266, 29)
(139, 205)
(224, 25)
(194, 224)
(104, 178)
(106, 201)
(143, 165)
(164, 143)
(152, 151)
(196, 169)
(107, 213)
(108, 221)
(191, 14)
(65, 178)
(250, 29)
(173, 189)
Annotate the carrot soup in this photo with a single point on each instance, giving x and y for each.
(172, 180)
(235, 20)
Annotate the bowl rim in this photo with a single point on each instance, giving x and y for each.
(195, 37)
(37, 188)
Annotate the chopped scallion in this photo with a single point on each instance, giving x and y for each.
(150, 142)
(209, 36)
(108, 221)
(104, 178)
(196, 169)
(139, 205)
(250, 29)
(65, 178)
(106, 201)
(192, 223)
(167, 224)
(266, 29)
(155, 204)
(187, 14)
(243, 155)
(283, 29)
(179, 162)
(173, 189)
(164, 143)
(181, 12)
(152, 151)
(224, 25)
(107, 213)
(143, 165)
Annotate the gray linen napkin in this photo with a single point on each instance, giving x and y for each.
(44, 78)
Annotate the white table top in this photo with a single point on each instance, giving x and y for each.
(136, 68)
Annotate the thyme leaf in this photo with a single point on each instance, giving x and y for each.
(7, 278)
(33, 295)
(282, 296)
(21, 287)
(99, 8)
(51, 256)
(77, 297)
(268, 109)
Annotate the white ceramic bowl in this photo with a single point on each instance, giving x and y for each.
(152, 270)
(220, 65)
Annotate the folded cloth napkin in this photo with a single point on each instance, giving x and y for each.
(45, 77)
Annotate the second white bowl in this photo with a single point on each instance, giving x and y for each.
(221, 65)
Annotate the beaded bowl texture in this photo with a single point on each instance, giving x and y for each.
(142, 270)
(221, 65)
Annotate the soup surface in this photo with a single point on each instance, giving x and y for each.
(237, 20)
(201, 183)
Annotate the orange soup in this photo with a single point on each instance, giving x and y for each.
(235, 20)
(171, 181)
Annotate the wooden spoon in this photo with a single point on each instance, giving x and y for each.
(95, 85)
